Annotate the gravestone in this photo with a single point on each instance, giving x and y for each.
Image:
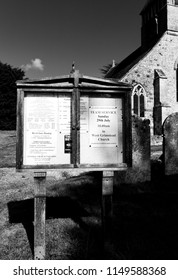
(170, 144)
(140, 170)
(141, 164)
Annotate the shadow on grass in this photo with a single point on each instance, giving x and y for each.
(56, 207)
(144, 224)
(145, 220)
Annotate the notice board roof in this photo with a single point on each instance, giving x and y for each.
(73, 80)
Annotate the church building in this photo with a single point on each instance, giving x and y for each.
(152, 69)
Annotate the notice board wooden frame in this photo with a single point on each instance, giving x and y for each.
(75, 85)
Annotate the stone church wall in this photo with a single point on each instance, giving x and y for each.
(162, 56)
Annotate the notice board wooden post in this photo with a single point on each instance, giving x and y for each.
(107, 206)
(39, 215)
(76, 121)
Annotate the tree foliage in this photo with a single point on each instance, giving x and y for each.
(105, 69)
(8, 95)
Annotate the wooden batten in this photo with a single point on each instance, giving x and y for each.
(20, 128)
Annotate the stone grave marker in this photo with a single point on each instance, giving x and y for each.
(170, 144)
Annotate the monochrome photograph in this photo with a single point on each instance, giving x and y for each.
(89, 133)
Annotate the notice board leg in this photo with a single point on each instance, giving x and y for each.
(107, 206)
(39, 217)
(29, 227)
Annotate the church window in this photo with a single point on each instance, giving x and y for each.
(138, 98)
(135, 103)
(142, 105)
(176, 2)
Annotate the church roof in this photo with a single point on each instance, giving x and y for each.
(129, 62)
(125, 65)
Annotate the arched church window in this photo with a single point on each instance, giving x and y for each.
(142, 105)
(138, 100)
(135, 103)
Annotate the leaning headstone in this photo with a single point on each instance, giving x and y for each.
(140, 170)
(170, 144)
(141, 164)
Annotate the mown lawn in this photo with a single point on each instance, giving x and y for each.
(144, 222)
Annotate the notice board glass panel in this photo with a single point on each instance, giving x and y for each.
(47, 129)
(101, 131)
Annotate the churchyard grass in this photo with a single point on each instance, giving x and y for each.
(144, 215)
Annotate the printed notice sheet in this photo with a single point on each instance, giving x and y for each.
(103, 122)
(84, 105)
(64, 114)
(40, 127)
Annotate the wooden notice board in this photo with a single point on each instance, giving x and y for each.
(73, 121)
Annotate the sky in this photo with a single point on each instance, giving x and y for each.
(44, 37)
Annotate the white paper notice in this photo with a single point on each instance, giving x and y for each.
(84, 104)
(40, 130)
(103, 123)
(64, 114)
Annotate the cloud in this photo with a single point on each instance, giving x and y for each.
(36, 64)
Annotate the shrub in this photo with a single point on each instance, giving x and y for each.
(8, 96)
